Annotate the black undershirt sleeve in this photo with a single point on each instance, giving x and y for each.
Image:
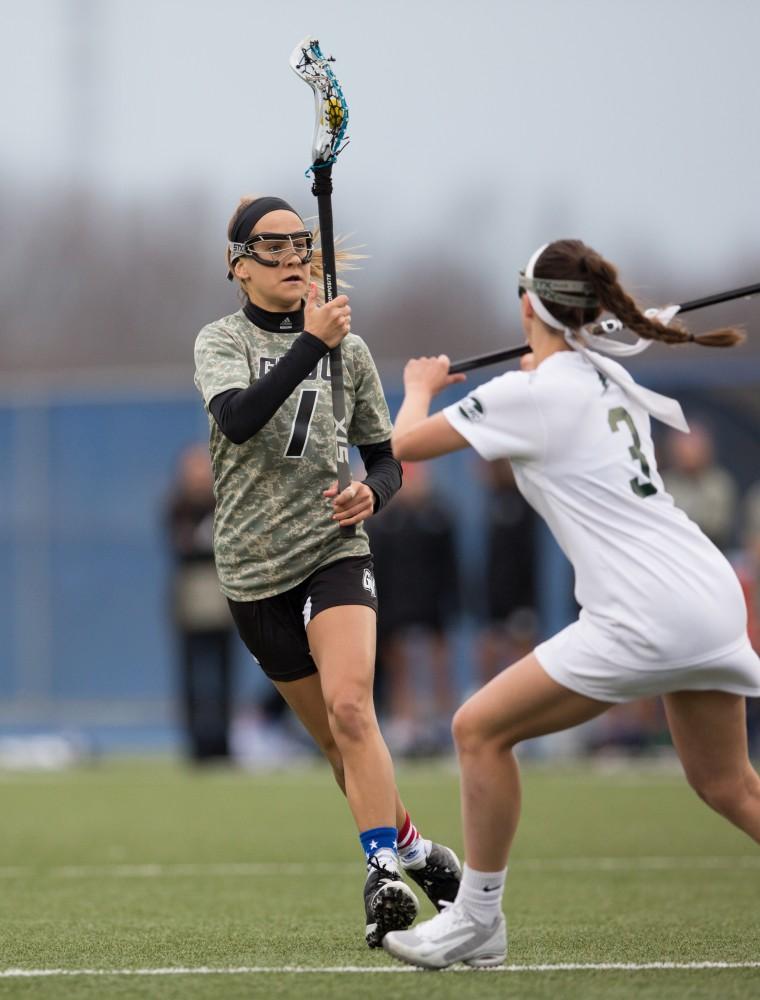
(241, 413)
(383, 471)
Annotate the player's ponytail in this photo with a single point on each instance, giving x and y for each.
(572, 259)
(345, 260)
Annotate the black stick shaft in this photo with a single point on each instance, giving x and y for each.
(483, 360)
(714, 300)
(322, 188)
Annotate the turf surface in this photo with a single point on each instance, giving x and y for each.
(147, 866)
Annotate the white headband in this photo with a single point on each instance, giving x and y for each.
(535, 301)
(591, 346)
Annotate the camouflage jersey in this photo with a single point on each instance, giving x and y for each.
(272, 526)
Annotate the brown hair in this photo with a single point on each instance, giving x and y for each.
(344, 258)
(572, 259)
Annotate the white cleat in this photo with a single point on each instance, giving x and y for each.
(451, 936)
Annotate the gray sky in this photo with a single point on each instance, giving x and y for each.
(631, 124)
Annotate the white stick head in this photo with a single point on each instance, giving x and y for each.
(309, 63)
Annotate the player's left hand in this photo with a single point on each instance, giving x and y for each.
(356, 503)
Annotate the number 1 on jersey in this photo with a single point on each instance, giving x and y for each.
(299, 436)
(620, 415)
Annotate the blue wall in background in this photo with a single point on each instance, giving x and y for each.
(85, 641)
(83, 627)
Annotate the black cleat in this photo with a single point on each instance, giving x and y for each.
(440, 877)
(389, 903)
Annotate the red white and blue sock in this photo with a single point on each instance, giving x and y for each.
(380, 843)
(412, 848)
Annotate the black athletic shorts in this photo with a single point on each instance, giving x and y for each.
(274, 629)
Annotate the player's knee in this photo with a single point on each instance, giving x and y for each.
(466, 731)
(473, 730)
(723, 793)
(351, 717)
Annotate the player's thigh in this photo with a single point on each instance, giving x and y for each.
(342, 642)
(709, 731)
(521, 703)
(273, 631)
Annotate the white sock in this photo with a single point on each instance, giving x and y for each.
(480, 893)
(414, 855)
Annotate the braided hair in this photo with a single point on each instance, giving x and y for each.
(573, 260)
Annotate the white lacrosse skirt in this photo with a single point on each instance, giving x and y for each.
(576, 658)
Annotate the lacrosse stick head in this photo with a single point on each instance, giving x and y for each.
(310, 64)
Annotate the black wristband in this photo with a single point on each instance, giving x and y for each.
(383, 471)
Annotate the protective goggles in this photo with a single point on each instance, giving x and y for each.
(271, 249)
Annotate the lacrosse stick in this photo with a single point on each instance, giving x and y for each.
(606, 327)
(331, 110)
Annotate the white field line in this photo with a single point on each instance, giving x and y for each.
(252, 970)
(253, 869)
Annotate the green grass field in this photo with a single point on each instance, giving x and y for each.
(147, 866)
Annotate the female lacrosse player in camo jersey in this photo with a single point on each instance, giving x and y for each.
(662, 610)
(301, 592)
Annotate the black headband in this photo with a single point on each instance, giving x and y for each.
(252, 213)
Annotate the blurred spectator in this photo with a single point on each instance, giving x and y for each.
(413, 544)
(510, 594)
(704, 490)
(200, 614)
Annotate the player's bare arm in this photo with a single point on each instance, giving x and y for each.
(417, 436)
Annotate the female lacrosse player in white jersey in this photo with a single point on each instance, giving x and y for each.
(662, 610)
(301, 592)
